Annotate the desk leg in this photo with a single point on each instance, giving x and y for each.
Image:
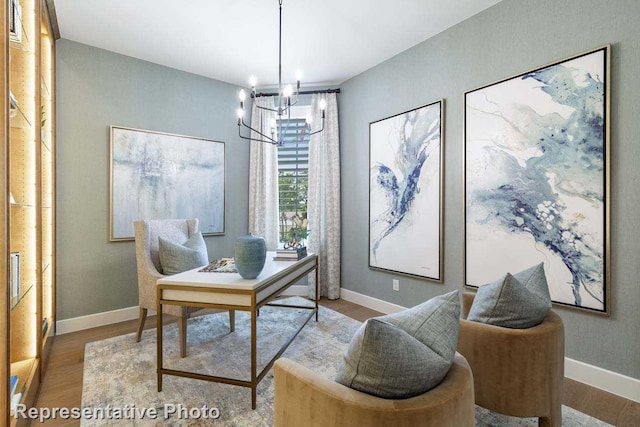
(254, 331)
(232, 320)
(317, 290)
(159, 336)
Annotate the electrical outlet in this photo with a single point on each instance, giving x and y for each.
(396, 285)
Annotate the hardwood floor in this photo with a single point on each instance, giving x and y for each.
(62, 385)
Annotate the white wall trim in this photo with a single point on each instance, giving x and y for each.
(81, 323)
(94, 320)
(370, 302)
(613, 382)
(609, 381)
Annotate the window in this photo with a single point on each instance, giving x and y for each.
(293, 179)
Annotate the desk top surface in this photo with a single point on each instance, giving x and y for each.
(272, 271)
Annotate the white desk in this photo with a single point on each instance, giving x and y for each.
(229, 291)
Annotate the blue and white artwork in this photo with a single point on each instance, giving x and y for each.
(162, 176)
(536, 155)
(405, 186)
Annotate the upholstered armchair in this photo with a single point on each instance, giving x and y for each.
(148, 261)
(304, 398)
(517, 372)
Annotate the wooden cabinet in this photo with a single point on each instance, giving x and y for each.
(27, 222)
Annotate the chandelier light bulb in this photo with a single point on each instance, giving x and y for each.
(240, 113)
(242, 95)
(298, 75)
(288, 90)
(323, 104)
(272, 123)
(252, 81)
(309, 119)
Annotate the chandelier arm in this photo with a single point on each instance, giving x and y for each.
(286, 128)
(267, 109)
(283, 111)
(268, 140)
(244, 124)
(289, 105)
(256, 131)
(319, 130)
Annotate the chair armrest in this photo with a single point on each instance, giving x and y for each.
(303, 397)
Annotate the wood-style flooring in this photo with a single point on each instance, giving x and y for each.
(62, 385)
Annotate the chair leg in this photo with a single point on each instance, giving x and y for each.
(232, 320)
(141, 318)
(553, 420)
(182, 332)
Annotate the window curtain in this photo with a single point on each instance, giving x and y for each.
(263, 176)
(323, 203)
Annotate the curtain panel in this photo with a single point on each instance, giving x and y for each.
(323, 205)
(263, 176)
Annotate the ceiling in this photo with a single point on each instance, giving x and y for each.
(329, 40)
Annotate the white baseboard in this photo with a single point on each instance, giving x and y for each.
(76, 324)
(94, 320)
(370, 302)
(609, 381)
(613, 382)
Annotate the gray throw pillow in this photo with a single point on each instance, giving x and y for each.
(515, 301)
(176, 258)
(534, 279)
(404, 354)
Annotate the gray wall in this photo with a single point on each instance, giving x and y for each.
(507, 39)
(95, 89)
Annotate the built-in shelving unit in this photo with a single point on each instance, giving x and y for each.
(47, 181)
(27, 220)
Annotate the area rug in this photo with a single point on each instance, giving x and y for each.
(119, 385)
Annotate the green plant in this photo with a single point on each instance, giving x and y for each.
(293, 229)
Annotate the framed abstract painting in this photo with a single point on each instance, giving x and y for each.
(537, 179)
(157, 175)
(405, 192)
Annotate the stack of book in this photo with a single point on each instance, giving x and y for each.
(290, 254)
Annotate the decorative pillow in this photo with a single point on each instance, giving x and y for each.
(176, 258)
(404, 354)
(515, 301)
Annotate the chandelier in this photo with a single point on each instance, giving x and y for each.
(287, 98)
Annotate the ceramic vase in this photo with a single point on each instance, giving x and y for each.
(250, 254)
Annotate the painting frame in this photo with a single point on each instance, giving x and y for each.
(574, 244)
(15, 21)
(396, 247)
(151, 179)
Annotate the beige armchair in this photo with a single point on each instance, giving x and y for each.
(304, 398)
(148, 261)
(517, 372)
